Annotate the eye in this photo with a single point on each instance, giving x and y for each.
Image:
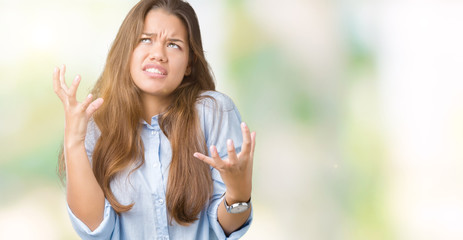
(145, 40)
(173, 45)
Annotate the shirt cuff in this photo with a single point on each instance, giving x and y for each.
(215, 225)
(106, 230)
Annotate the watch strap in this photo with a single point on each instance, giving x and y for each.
(238, 207)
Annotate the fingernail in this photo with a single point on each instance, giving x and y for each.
(196, 155)
(229, 143)
(76, 78)
(213, 150)
(55, 70)
(89, 95)
(243, 124)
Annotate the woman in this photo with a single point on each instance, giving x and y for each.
(135, 159)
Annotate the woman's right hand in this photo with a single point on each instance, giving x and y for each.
(76, 114)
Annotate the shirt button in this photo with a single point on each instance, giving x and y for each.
(152, 132)
(160, 201)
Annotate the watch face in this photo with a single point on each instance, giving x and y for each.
(238, 208)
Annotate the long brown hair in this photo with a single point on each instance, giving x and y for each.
(189, 184)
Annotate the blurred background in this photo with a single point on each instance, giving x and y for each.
(358, 106)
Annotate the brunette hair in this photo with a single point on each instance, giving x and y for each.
(189, 184)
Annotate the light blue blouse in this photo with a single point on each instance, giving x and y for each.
(146, 187)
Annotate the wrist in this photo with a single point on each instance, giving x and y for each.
(231, 199)
(238, 194)
(70, 144)
(236, 207)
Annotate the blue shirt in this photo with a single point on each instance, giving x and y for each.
(146, 187)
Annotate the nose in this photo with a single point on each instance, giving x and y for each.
(157, 53)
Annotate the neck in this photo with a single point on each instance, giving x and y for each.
(154, 105)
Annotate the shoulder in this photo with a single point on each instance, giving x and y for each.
(216, 101)
(220, 120)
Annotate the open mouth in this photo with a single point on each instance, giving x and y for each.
(155, 70)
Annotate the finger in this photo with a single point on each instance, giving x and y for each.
(74, 86)
(56, 84)
(232, 157)
(62, 80)
(205, 159)
(253, 143)
(246, 147)
(215, 156)
(94, 106)
(84, 105)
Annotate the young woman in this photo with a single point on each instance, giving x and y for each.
(158, 154)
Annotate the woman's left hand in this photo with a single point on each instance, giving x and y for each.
(236, 171)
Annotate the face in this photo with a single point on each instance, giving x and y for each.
(160, 60)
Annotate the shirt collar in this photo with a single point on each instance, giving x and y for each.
(154, 122)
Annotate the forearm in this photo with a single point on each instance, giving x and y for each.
(236, 173)
(231, 222)
(84, 195)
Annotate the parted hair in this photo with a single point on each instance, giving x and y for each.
(189, 186)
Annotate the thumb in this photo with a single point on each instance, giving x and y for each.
(94, 106)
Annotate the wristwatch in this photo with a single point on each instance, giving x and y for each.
(236, 207)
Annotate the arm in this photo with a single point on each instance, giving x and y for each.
(236, 172)
(84, 195)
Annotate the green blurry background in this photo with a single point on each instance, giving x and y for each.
(357, 107)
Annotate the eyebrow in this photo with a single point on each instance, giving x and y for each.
(169, 39)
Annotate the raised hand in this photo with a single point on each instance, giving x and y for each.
(236, 171)
(77, 114)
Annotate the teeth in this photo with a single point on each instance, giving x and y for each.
(154, 70)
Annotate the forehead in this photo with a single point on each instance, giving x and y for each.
(159, 21)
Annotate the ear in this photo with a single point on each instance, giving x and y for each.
(188, 71)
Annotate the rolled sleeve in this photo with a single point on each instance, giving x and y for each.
(215, 225)
(219, 188)
(108, 228)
